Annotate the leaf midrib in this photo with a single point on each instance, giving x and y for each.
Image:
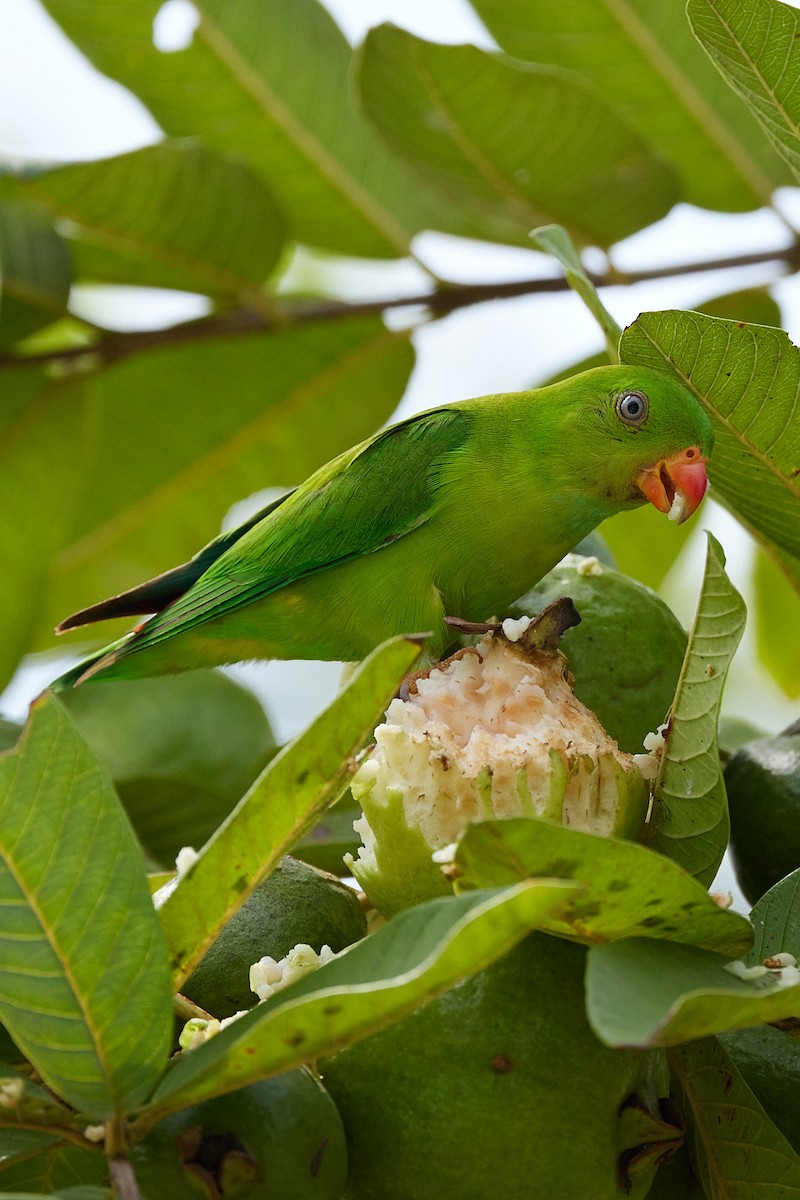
(769, 92)
(323, 162)
(690, 98)
(113, 239)
(758, 454)
(48, 934)
(470, 150)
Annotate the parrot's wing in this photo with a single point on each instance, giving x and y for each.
(371, 496)
(155, 594)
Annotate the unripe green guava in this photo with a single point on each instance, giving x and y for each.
(763, 784)
(498, 1088)
(281, 1137)
(295, 904)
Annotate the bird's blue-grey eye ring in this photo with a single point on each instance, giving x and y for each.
(632, 408)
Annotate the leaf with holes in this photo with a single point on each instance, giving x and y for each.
(513, 144)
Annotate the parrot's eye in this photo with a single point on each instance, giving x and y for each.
(632, 408)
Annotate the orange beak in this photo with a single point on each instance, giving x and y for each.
(677, 484)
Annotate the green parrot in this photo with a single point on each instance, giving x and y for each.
(454, 512)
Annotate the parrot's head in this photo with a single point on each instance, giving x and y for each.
(651, 439)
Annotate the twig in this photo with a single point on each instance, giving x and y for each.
(293, 311)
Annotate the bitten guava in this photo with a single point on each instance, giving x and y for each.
(494, 731)
(627, 652)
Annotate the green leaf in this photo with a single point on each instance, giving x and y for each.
(181, 750)
(27, 1104)
(84, 982)
(777, 610)
(9, 734)
(418, 954)
(768, 1059)
(70, 1193)
(643, 543)
(41, 433)
(512, 144)
(776, 920)
(266, 82)
(753, 305)
(626, 890)
(690, 814)
(641, 56)
(555, 240)
(736, 1150)
(754, 46)
(172, 438)
(175, 215)
(283, 803)
(644, 992)
(51, 1168)
(746, 376)
(35, 272)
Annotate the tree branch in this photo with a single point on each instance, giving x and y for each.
(292, 312)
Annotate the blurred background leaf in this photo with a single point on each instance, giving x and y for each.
(267, 82)
(642, 58)
(181, 751)
(117, 474)
(175, 215)
(513, 144)
(35, 272)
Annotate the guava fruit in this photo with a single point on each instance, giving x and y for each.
(627, 652)
(494, 731)
(295, 904)
(280, 1137)
(763, 783)
(498, 1088)
(769, 1062)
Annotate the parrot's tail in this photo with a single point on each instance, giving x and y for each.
(88, 667)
